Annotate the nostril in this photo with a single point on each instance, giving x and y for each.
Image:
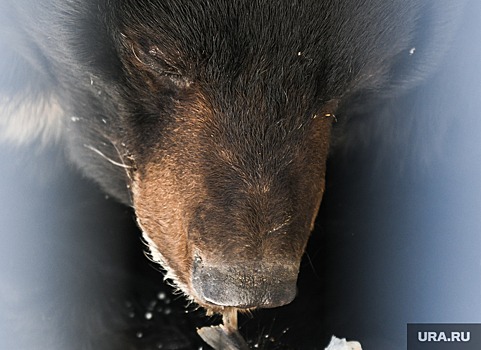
(245, 285)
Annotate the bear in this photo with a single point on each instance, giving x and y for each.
(213, 120)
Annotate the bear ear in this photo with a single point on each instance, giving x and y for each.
(29, 110)
(435, 30)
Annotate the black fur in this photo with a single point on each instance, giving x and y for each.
(69, 52)
(220, 111)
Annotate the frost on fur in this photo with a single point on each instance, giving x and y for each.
(169, 275)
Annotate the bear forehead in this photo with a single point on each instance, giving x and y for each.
(273, 36)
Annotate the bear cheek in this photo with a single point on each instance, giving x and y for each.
(161, 206)
(317, 151)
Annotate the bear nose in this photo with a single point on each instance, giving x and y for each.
(249, 285)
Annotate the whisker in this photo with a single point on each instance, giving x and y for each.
(107, 158)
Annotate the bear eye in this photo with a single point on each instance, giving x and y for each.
(162, 63)
(153, 59)
(328, 110)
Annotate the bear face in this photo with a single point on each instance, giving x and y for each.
(218, 192)
(208, 219)
(213, 120)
